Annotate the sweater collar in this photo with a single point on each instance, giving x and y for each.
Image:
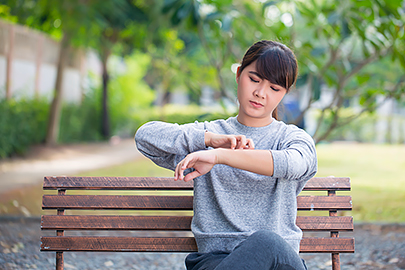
(241, 128)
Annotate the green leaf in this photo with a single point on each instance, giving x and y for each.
(333, 18)
(170, 5)
(363, 78)
(226, 23)
(318, 51)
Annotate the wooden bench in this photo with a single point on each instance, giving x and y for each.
(161, 197)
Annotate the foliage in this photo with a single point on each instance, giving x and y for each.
(22, 123)
(80, 122)
(343, 46)
(129, 93)
(340, 50)
(170, 113)
(212, 22)
(188, 114)
(351, 50)
(361, 129)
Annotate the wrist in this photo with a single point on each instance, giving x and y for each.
(207, 138)
(220, 154)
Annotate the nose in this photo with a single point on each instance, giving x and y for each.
(259, 92)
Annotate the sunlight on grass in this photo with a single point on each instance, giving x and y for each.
(140, 167)
(377, 174)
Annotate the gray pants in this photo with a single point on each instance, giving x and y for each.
(263, 250)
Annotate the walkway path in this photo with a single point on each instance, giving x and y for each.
(63, 160)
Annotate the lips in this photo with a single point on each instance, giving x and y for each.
(256, 104)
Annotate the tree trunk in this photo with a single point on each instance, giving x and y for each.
(56, 106)
(105, 121)
(9, 61)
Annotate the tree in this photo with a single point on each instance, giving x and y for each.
(116, 20)
(212, 22)
(65, 21)
(97, 24)
(340, 46)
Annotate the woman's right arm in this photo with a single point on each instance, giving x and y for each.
(167, 144)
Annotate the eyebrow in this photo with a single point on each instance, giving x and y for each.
(257, 74)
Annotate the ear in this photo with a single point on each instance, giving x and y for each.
(238, 74)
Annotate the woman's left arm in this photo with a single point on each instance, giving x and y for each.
(295, 160)
(257, 161)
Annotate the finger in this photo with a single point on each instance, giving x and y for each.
(233, 142)
(191, 176)
(187, 162)
(176, 171)
(250, 144)
(179, 172)
(242, 142)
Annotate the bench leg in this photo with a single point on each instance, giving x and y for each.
(59, 260)
(335, 261)
(59, 255)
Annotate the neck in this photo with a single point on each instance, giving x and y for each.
(254, 122)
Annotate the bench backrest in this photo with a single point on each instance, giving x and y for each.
(162, 204)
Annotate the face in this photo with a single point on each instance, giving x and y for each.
(257, 97)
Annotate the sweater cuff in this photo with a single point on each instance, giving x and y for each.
(199, 143)
(280, 165)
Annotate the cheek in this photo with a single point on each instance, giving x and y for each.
(279, 97)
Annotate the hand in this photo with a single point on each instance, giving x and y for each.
(228, 141)
(201, 161)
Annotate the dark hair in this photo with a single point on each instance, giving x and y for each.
(275, 62)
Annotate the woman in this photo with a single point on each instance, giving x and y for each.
(247, 170)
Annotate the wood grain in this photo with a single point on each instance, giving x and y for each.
(165, 183)
(119, 202)
(172, 223)
(171, 244)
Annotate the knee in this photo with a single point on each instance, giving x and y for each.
(267, 237)
(269, 242)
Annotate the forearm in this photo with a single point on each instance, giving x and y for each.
(229, 141)
(257, 161)
(160, 139)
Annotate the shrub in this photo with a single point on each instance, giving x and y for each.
(22, 123)
(80, 122)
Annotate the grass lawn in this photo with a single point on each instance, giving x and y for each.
(377, 175)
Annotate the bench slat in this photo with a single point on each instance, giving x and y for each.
(165, 183)
(117, 202)
(325, 223)
(328, 183)
(114, 243)
(324, 203)
(170, 244)
(304, 203)
(178, 223)
(327, 245)
(116, 183)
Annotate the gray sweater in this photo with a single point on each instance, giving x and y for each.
(230, 204)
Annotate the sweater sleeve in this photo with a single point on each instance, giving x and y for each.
(296, 157)
(167, 144)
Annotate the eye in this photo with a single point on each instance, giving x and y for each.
(274, 89)
(253, 80)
